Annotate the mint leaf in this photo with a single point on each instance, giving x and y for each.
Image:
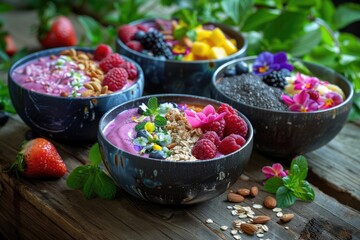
(284, 197)
(273, 184)
(153, 104)
(95, 155)
(304, 191)
(104, 186)
(89, 186)
(140, 126)
(160, 121)
(78, 177)
(299, 167)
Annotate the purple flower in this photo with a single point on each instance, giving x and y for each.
(276, 170)
(267, 62)
(301, 102)
(207, 115)
(330, 100)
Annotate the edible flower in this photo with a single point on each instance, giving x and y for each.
(207, 115)
(331, 99)
(276, 170)
(301, 102)
(304, 82)
(267, 62)
(150, 127)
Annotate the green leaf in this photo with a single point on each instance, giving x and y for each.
(305, 43)
(93, 30)
(326, 11)
(256, 21)
(345, 14)
(236, 9)
(296, 5)
(284, 197)
(4, 7)
(5, 102)
(304, 191)
(95, 155)
(300, 67)
(180, 33)
(160, 121)
(191, 34)
(78, 177)
(273, 184)
(104, 186)
(89, 186)
(153, 104)
(140, 126)
(299, 167)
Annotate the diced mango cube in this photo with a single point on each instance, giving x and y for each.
(202, 34)
(189, 57)
(217, 37)
(233, 41)
(200, 49)
(217, 53)
(229, 47)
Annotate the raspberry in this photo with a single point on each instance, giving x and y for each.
(204, 149)
(102, 51)
(226, 108)
(235, 125)
(135, 45)
(127, 32)
(130, 69)
(216, 126)
(115, 79)
(142, 28)
(212, 136)
(111, 61)
(231, 143)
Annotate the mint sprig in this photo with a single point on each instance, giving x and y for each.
(91, 179)
(294, 186)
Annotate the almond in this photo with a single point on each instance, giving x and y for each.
(243, 192)
(254, 191)
(261, 219)
(236, 198)
(287, 217)
(270, 202)
(248, 228)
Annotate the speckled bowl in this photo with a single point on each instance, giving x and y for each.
(282, 134)
(173, 76)
(66, 118)
(171, 182)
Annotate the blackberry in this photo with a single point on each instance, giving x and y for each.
(155, 42)
(277, 78)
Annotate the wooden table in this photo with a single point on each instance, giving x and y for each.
(37, 209)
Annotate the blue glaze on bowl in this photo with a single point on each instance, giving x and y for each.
(173, 76)
(66, 118)
(171, 182)
(285, 134)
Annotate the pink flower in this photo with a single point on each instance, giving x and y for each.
(304, 82)
(276, 170)
(207, 115)
(301, 102)
(330, 100)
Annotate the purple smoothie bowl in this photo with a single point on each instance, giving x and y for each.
(172, 182)
(173, 76)
(285, 134)
(66, 118)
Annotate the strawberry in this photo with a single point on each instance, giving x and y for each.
(39, 158)
(10, 47)
(61, 33)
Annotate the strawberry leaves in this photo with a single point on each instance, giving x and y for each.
(91, 179)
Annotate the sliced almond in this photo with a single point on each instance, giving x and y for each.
(97, 86)
(87, 93)
(104, 89)
(88, 86)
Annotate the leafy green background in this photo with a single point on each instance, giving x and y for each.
(307, 29)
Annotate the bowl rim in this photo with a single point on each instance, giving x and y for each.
(347, 100)
(240, 51)
(249, 140)
(47, 52)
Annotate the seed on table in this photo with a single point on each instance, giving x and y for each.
(209, 220)
(279, 214)
(277, 209)
(224, 228)
(257, 206)
(233, 232)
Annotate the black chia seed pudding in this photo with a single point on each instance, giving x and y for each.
(249, 89)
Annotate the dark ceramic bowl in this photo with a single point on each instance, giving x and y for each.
(171, 182)
(66, 118)
(282, 134)
(173, 76)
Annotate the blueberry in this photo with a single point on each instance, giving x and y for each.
(142, 133)
(229, 72)
(241, 67)
(139, 35)
(3, 118)
(157, 154)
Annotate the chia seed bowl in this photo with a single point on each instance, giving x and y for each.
(174, 76)
(66, 118)
(279, 133)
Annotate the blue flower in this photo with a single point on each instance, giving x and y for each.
(267, 62)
